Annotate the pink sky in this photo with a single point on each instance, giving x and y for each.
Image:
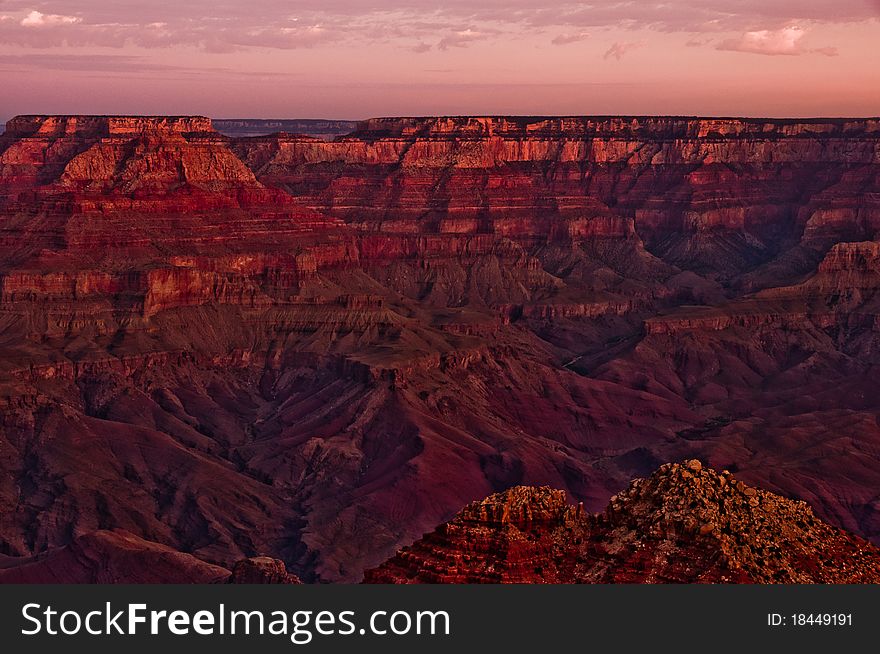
(350, 59)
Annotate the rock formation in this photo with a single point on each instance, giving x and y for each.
(319, 350)
(261, 570)
(323, 129)
(684, 524)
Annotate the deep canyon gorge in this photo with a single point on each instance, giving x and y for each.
(217, 348)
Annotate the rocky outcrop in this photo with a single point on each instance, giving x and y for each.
(322, 129)
(684, 524)
(517, 536)
(632, 126)
(261, 570)
(105, 126)
(850, 265)
(690, 523)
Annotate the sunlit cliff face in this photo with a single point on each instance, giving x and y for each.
(339, 59)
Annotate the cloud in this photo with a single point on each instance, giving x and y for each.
(123, 65)
(829, 51)
(619, 49)
(37, 19)
(565, 39)
(38, 30)
(99, 63)
(460, 39)
(672, 15)
(280, 37)
(281, 24)
(785, 41)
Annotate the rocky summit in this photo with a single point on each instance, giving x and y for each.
(683, 524)
(318, 348)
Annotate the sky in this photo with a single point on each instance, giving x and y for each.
(352, 59)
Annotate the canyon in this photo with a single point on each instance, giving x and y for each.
(219, 347)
